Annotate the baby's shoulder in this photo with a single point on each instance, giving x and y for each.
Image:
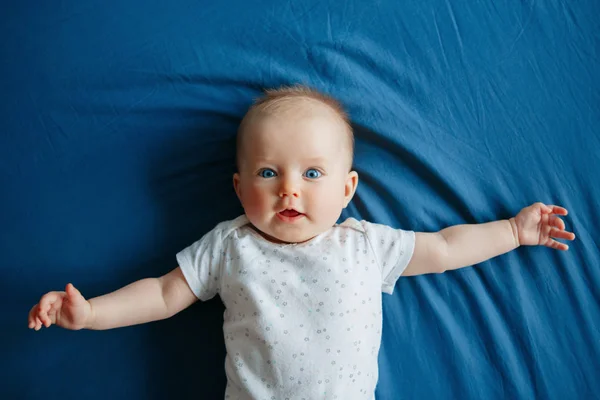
(366, 229)
(352, 225)
(227, 229)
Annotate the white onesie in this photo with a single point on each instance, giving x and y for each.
(302, 321)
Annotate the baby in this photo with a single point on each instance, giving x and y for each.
(302, 293)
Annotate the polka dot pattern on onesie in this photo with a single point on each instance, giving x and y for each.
(301, 320)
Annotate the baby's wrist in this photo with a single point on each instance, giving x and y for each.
(515, 231)
(91, 316)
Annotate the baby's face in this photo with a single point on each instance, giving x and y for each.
(294, 181)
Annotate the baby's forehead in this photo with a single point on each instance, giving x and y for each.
(299, 107)
(285, 128)
(313, 113)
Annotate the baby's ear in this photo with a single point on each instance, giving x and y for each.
(350, 187)
(236, 185)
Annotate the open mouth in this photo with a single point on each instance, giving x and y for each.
(289, 215)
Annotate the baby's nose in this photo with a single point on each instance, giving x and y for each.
(288, 188)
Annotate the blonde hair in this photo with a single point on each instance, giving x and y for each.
(285, 98)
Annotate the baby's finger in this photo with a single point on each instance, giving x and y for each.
(557, 245)
(47, 300)
(46, 320)
(561, 234)
(539, 207)
(32, 318)
(73, 294)
(558, 210)
(556, 222)
(39, 311)
(50, 317)
(42, 314)
(52, 301)
(32, 313)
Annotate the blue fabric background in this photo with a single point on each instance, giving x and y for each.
(117, 125)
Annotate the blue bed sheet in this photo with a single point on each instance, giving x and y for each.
(118, 124)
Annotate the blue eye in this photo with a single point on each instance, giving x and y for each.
(313, 173)
(267, 173)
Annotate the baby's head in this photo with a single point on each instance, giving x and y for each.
(294, 158)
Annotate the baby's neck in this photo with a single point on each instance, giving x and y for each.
(274, 240)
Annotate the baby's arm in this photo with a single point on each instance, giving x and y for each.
(143, 301)
(463, 245)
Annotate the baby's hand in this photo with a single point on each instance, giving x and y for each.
(68, 309)
(538, 224)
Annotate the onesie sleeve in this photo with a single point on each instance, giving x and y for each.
(201, 263)
(393, 250)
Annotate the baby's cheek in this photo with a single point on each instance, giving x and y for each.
(330, 204)
(254, 201)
